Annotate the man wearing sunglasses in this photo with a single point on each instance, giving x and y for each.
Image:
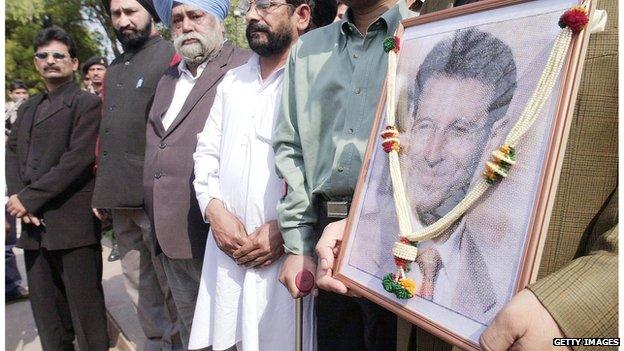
(129, 88)
(240, 304)
(49, 162)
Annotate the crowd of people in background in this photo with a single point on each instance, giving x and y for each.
(213, 166)
(13, 287)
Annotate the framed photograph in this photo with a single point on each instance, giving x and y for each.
(464, 78)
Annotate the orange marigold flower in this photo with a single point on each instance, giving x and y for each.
(409, 285)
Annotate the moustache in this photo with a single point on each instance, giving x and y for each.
(132, 28)
(189, 38)
(183, 39)
(257, 27)
(127, 31)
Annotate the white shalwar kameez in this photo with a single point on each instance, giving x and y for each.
(234, 162)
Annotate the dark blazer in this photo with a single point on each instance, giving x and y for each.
(168, 172)
(60, 185)
(128, 93)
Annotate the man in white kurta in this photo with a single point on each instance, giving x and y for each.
(241, 304)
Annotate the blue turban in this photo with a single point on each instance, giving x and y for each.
(219, 8)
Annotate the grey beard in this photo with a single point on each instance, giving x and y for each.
(197, 53)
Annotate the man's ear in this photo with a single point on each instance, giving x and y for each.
(154, 29)
(75, 64)
(304, 16)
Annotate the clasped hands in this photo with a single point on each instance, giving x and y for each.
(522, 324)
(259, 249)
(17, 209)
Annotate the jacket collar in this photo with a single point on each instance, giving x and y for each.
(59, 98)
(211, 74)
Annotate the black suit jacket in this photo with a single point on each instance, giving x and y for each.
(128, 93)
(60, 148)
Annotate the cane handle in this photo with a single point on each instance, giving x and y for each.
(304, 281)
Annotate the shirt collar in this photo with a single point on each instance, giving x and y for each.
(254, 64)
(183, 69)
(388, 22)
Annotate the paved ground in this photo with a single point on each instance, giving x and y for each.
(20, 330)
(19, 327)
(118, 302)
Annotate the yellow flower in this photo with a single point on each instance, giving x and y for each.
(408, 285)
(579, 8)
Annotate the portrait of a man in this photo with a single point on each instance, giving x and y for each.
(462, 85)
(447, 143)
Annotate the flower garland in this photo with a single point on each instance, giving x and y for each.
(405, 250)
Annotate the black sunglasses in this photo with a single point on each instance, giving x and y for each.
(56, 55)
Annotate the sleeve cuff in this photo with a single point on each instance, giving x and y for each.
(583, 296)
(30, 201)
(300, 240)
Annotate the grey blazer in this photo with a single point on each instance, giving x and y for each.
(168, 176)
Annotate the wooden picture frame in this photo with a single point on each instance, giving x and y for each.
(371, 229)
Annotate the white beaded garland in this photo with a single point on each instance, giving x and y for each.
(530, 113)
(404, 251)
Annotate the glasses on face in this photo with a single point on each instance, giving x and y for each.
(262, 6)
(42, 55)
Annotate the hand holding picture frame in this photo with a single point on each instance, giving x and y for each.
(464, 80)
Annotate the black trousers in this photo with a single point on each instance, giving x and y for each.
(67, 298)
(349, 323)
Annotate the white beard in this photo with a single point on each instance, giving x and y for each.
(196, 53)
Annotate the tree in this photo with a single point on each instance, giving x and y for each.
(235, 25)
(96, 12)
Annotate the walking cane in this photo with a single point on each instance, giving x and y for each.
(304, 282)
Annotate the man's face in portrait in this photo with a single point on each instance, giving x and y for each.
(132, 23)
(447, 137)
